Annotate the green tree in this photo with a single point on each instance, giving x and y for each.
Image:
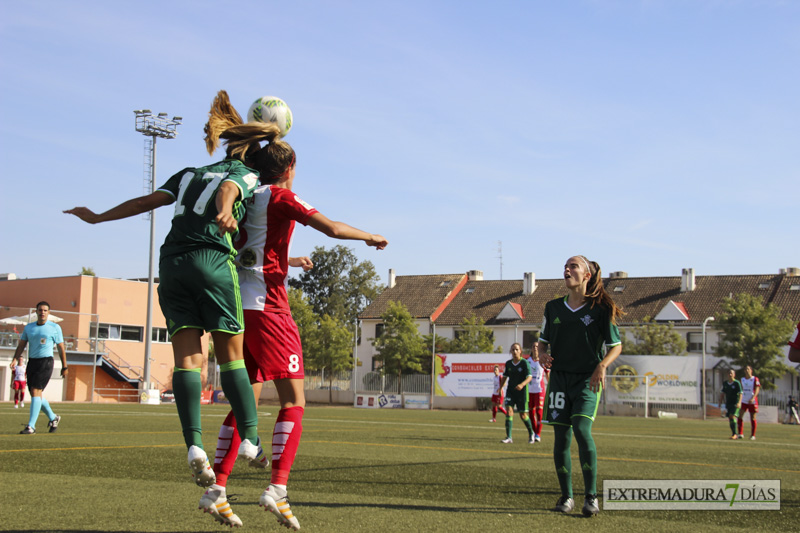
(338, 285)
(400, 346)
(307, 322)
(652, 338)
(87, 271)
(473, 337)
(331, 349)
(754, 335)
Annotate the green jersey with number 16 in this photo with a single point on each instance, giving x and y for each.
(576, 336)
(195, 193)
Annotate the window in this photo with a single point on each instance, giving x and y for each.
(118, 332)
(445, 283)
(379, 329)
(763, 286)
(529, 337)
(470, 290)
(619, 288)
(160, 335)
(694, 342)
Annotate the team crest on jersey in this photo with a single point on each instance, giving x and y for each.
(301, 202)
(247, 257)
(554, 414)
(587, 320)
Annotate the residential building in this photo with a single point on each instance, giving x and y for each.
(513, 309)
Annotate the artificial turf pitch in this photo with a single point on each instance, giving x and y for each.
(123, 468)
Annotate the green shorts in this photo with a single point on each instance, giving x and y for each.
(731, 409)
(568, 395)
(200, 289)
(517, 400)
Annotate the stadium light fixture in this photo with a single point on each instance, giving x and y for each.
(703, 381)
(152, 127)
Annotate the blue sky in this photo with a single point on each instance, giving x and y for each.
(647, 135)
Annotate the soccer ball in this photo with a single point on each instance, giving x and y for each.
(271, 109)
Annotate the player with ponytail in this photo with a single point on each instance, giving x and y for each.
(272, 348)
(575, 330)
(199, 286)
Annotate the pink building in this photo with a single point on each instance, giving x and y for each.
(103, 322)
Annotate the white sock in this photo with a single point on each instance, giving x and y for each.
(280, 490)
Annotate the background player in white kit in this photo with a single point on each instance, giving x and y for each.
(498, 396)
(750, 389)
(536, 392)
(18, 366)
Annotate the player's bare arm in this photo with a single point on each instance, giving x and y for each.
(545, 359)
(598, 380)
(301, 262)
(227, 194)
(129, 208)
(340, 230)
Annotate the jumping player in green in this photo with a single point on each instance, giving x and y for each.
(731, 394)
(199, 286)
(574, 330)
(518, 374)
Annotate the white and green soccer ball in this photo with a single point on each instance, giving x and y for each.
(271, 109)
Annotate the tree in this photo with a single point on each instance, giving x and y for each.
(473, 337)
(400, 346)
(652, 338)
(303, 315)
(754, 335)
(87, 271)
(331, 348)
(339, 285)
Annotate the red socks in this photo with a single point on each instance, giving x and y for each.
(285, 441)
(227, 449)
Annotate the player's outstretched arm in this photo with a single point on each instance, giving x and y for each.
(340, 230)
(132, 207)
(301, 262)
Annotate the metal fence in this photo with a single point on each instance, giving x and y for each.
(367, 381)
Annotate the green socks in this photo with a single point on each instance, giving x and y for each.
(509, 425)
(587, 452)
(561, 443)
(236, 386)
(187, 386)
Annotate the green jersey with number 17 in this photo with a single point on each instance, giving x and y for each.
(576, 336)
(195, 193)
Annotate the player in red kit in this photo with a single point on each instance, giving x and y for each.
(272, 349)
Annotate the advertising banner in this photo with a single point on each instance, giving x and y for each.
(670, 379)
(467, 374)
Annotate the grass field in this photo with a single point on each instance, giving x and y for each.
(123, 468)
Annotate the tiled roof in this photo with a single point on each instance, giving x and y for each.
(421, 295)
(639, 297)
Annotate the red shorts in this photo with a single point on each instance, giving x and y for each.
(752, 408)
(272, 348)
(497, 398)
(536, 400)
(19, 385)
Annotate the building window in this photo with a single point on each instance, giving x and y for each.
(694, 342)
(117, 332)
(529, 337)
(379, 329)
(160, 335)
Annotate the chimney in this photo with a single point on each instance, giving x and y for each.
(475, 275)
(687, 280)
(528, 283)
(618, 275)
(392, 280)
(790, 272)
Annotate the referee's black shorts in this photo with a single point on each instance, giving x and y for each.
(40, 370)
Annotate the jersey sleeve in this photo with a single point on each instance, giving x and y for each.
(294, 208)
(245, 179)
(545, 332)
(58, 335)
(173, 184)
(611, 333)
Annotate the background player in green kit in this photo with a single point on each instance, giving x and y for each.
(574, 331)
(199, 288)
(731, 394)
(518, 374)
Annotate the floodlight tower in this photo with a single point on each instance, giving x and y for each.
(152, 127)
